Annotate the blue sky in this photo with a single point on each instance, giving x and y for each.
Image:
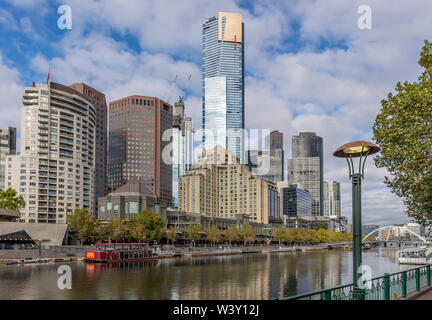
(308, 66)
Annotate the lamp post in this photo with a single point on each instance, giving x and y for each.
(356, 149)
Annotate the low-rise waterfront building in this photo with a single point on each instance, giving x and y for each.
(314, 222)
(181, 220)
(129, 200)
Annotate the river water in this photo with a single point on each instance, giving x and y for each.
(247, 276)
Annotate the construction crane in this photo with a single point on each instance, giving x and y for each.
(171, 90)
(186, 86)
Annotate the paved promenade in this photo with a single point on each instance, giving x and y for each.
(426, 296)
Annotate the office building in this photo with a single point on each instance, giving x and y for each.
(306, 167)
(280, 186)
(136, 126)
(55, 170)
(296, 201)
(332, 202)
(218, 187)
(223, 118)
(98, 100)
(182, 147)
(7, 147)
(270, 161)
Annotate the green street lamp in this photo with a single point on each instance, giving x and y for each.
(356, 149)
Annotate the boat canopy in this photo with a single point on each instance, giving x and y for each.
(416, 249)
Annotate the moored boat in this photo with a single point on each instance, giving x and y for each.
(416, 255)
(120, 252)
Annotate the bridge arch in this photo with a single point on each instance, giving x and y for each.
(393, 227)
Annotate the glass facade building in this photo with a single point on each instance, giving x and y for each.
(306, 167)
(332, 202)
(296, 202)
(223, 83)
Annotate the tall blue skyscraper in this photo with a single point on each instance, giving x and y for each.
(223, 82)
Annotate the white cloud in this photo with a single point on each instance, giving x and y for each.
(10, 96)
(335, 92)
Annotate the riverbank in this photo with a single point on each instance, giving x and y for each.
(77, 253)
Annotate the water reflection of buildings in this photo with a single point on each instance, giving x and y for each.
(312, 271)
(252, 276)
(242, 277)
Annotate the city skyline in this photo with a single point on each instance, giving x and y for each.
(335, 62)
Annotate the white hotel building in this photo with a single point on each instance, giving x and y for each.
(55, 170)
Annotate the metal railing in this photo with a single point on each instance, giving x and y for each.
(388, 287)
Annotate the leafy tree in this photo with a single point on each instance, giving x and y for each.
(147, 226)
(213, 234)
(193, 232)
(83, 225)
(290, 235)
(280, 234)
(172, 234)
(403, 130)
(10, 200)
(115, 229)
(139, 232)
(231, 233)
(248, 233)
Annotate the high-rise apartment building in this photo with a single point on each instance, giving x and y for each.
(55, 170)
(223, 118)
(98, 100)
(7, 147)
(306, 167)
(136, 145)
(332, 200)
(182, 146)
(220, 186)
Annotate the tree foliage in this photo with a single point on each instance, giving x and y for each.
(213, 234)
(248, 233)
(311, 236)
(114, 229)
(403, 130)
(280, 234)
(231, 233)
(10, 200)
(172, 234)
(193, 232)
(83, 225)
(147, 226)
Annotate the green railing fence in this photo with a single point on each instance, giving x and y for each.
(388, 287)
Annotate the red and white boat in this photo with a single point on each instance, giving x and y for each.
(120, 252)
